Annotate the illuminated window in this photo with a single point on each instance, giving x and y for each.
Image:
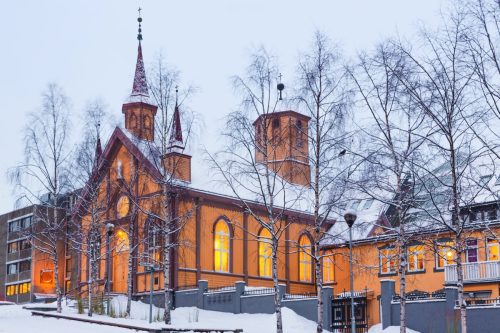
(387, 261)
(123, 206)
(221, 247)
(12, 247)
(305, 261)
(328, 269)
(265, 253)
(492, 252)
(122, 243)
(415, 258)
(444, 255)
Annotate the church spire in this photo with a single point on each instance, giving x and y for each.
(176, 142)
(140, 87)
(98, 147)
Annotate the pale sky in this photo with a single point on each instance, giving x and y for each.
(89, 48)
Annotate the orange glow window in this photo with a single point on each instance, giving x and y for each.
(122, 243)
(416, 258)
(46, 276)
(221, 247)
(492, 254)
(445, 255)
(305, 260)
(265, 253)
(387, 261)
(123, 206)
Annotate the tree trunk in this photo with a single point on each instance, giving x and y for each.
(90, 284)
(460, 289)
(402, 289)
(319, 290)
(277, 298)
(58, 287)
(167, 316)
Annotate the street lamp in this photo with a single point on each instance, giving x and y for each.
(109, 231)
(151, 268)
(350, 217)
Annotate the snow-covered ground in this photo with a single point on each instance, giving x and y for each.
(15, 319)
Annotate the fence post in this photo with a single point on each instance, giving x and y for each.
(202, 287)
(239, 291)
(282, 291)
(451, 299)
(327, 307)
(387, 290)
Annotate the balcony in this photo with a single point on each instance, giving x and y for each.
(482, 271)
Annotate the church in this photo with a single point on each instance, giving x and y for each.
(215, 238)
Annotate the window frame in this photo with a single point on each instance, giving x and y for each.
(388, 258)
(441, 253)
(222, 252)
(266, 242)
(415, 254)
(305, 262)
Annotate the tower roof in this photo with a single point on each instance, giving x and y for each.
(140, 86)
(176, 141)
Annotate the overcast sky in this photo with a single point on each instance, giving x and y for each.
(89, 48)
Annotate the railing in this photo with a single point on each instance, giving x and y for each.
(421, 295)
(300, 296)
(221, 289)
(474, 271)
(482, 302)
(259, 291)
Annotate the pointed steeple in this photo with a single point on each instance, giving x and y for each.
(140, 86)
(176, 142)
(139, 110)
(98, 148)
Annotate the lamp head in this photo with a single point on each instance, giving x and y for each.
(109, 228)
(349, 217)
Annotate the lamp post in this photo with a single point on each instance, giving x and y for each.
(109, 231)
(151, 268)
(350, 217)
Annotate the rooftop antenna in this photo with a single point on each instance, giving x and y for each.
(280, 86)
(139, 19)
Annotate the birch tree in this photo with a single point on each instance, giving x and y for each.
(393, 134)
(441, 88)
(44, 171)
(86, 225)
(325, 96)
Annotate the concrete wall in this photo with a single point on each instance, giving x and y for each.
(435, 316)
(235, 301)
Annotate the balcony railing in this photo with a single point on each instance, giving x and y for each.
(474, 271)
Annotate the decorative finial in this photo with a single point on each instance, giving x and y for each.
(139, 19)
(176, 94)
(280, 86)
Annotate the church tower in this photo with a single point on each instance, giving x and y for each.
(282, 143)
(139, 110)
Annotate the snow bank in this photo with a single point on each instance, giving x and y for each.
(15, 319)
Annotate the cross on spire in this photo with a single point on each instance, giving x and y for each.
(139, 30)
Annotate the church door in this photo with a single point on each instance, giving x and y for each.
(120, 262)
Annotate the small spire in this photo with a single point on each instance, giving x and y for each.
(98, 147)
(176, 142)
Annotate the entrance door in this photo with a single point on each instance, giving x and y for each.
(120, 262)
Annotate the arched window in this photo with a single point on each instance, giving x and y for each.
(328, 271)
(298, 134)
(133, 121)
(305, 261)
(265, 252)
(221, 247)
(122, 243)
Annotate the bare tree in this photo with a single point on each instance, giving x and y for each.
(441, 88)
(87, 225)
(249, 165)
(44, 170)
(394, 136)
(170, 137)
(325, 96)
